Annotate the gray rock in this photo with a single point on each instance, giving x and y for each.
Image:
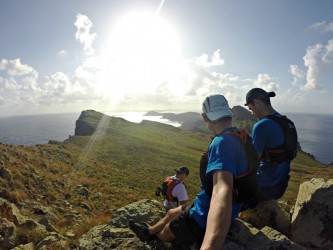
(268, 238)
(5, 174)
(117, 235)
(268, 213)
(28, 246)
(7, 234)
(312, 220)
(149, 211)
(243, 235)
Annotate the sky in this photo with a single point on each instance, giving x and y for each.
(69, 56)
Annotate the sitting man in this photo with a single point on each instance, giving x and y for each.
(275, 139)
(174, 189)
(207, 220)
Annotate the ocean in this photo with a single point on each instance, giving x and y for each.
(315, 135)
(314, 130)
(37, 129)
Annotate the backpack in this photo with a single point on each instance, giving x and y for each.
(245, 186)
(288, 150)
(167, 187)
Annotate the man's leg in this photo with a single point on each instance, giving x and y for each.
(159, 226)
(166, 234)
(146, 233)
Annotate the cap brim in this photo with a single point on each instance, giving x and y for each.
(216, 115)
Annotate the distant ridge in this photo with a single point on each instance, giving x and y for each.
(193, 121)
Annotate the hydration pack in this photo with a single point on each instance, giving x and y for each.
(166, 189)
(245, 186)
(288, 150)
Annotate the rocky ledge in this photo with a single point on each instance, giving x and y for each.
(268, 226)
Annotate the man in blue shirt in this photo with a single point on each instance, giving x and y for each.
(273, 176)
(208, 219)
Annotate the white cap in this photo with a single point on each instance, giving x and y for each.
(216, 107)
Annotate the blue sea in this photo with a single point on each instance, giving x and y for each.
(315, 135)
(37, 129)
(314, 131)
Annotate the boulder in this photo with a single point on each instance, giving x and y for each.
(12, 213)
(7, 234)
(28, 246)
(268, 213)
(117, 235)
(268, 238)
(52, 242)
(243, 235)
(149, 211)
(15, 225)
(5, 174)
(312, 220)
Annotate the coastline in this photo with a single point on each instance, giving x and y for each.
(40, 129)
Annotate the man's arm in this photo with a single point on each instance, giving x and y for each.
(219, 215)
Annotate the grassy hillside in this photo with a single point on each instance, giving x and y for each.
(86, 178)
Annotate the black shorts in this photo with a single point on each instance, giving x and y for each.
(185, 229)
(274, 192)
(269, 193)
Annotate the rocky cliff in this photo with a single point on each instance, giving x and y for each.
(269, 226)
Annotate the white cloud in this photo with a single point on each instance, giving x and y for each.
(30, 83)
(16, 68)
(324, 26)
(84, 24)
(328, 52)
(11, 85)
(312, 61)
(295, 99)
(264, 81)
(203, 60)
(59, 85)
(85, 80)
(318, 60)
(297, 73)
(62, 52)
(2, 101)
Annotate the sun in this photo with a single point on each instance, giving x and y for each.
(143, 52)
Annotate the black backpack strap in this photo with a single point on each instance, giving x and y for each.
(245, 187)
(288, 150)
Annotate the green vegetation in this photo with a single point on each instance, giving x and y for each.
(120, 163)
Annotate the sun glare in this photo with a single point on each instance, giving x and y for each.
(143, 52)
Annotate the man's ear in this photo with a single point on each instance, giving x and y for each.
(256, 102)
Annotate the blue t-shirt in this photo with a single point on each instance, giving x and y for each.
(227, 153)
(267, 133)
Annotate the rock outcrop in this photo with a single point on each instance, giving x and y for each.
(312, 220)
(244, 236)
(268, 213)
(117, 235)
(16, 227)
(86, 124)
(308, 227)
(311, 224)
